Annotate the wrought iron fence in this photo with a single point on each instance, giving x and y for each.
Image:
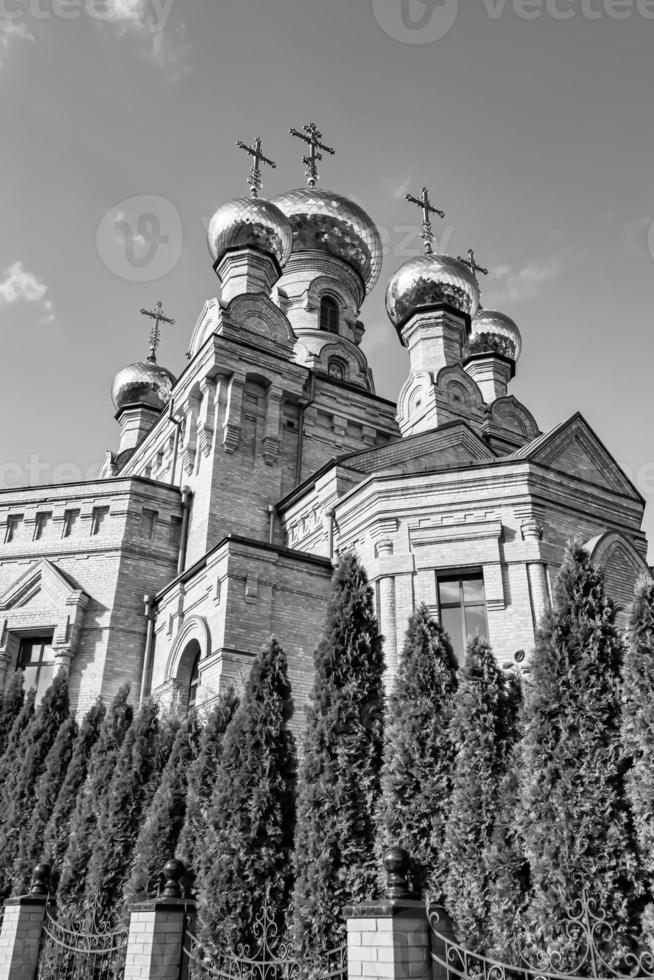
(587, 931)
(71, 954)
(272, 959)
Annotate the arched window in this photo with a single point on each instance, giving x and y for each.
(193, 685)
(329, 314)
(336, 369)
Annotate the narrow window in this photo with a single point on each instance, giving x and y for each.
(148, 523)
(336, 369)
(36, 660)
(462, 602)
(71, 518)
(42, 522)
(14, 522)
(193, 686)
(175, 532)
(100, 515)
(329, 314)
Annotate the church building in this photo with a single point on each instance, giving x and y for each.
(234, 486)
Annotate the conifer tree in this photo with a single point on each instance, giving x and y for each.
(476, 728)
(11, 702)
(30, 850)
(576, 824)
(202, 778)
(247, 854)
(638, 721)
(161, 825)
(83, 835)
(339, 784)
(419, 753)
(22, 779)
(15, 746)
(119, 817)
(57, 829)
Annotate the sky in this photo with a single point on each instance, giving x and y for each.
(530, 120)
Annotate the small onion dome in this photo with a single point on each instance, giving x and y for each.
(143, 383)
(328, 222)
(497, 332)
(250, 222)
(428, 280)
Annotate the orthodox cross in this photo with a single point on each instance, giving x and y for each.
(313, 137)
(155, 337)
(474, 267)
(428, 209)
(254, 180)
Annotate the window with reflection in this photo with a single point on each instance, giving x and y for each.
(329, 314)
(336, 369)
(36, 661)
(193, 686)
(462, 604)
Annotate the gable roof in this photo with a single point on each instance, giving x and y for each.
(573, 448)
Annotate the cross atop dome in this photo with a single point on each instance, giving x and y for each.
(254, 179)
(474, 267)
(312, 135)
(426, 233)
(155, 336)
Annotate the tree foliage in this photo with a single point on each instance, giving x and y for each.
(247, 854)
(12, 699)
(419, 753)
(340, 773)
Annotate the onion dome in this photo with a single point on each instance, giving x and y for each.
(250, 222)
(143, 383)
(495, 332)
(428, 280)
(328, 222)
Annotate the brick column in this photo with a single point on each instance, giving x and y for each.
(20, 939)
(389, 938)
(155, 942)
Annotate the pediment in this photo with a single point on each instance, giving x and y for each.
(450, 446)
(258, 315)
(43, 584)
(508, 413)
(574, 449)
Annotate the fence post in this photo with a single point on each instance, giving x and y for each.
(22, 925)
(389, 938)
(155, 944)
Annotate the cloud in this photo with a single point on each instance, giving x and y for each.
(506, 284)
(145, 21)
(18, 285)
(10, 30)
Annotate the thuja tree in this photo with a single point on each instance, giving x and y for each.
(29, 763)
(201, 779)
(57, 828)
(157, 839)
(576, 823)
(340, 773)
(119, 817)
(11, 702)
(83, 834)
(246, 862)
(14, 748)
(419, 753)
(638, 721)
(475, 730)
(30, 851)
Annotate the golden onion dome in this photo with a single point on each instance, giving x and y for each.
(498, 332)
(142, 383)
(250, 222)
(328, 222)
(428, 280)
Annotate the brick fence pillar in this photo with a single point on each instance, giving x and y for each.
(155, 943)
(389, 938)
(22, 925)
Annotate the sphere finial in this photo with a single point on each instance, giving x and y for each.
(174, 871)
(40, 880)
(397, 864)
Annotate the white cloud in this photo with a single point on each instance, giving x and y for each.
(18, 285)
(11, 30)
(506, 284)
(146, 22)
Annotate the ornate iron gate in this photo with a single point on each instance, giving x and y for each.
(68, 954)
